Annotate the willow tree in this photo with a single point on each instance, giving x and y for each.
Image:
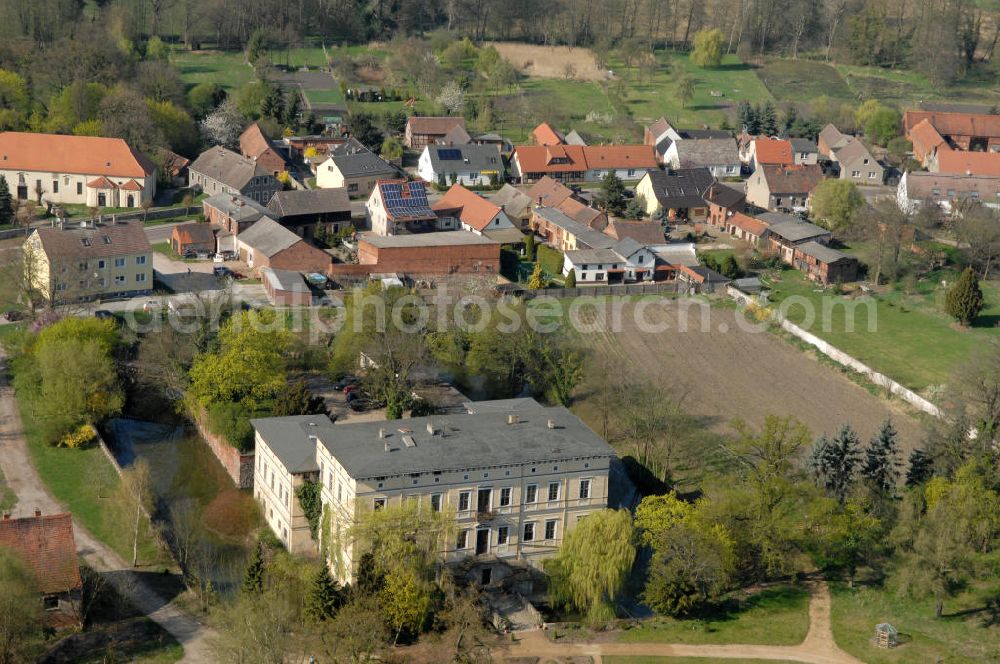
(593, 564)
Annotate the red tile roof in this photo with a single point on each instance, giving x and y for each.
(748, 224)
(131, 185)
(433, 126)
(470, 207)
(773, 151)
(968, 163)
(792, 179)
(540, 158)
(544, 134)
(87, 155)
(101, 183)
(955, 124)
(46, 545)
(925, 139)
(583, 213)
(549, 192)
(194, 233)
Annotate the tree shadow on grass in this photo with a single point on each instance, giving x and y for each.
(731, 608)
(989, 321)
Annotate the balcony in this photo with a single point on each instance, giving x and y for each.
(484, 517)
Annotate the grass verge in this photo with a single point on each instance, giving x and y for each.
(960, 636)
(777, 615)
(86, 483)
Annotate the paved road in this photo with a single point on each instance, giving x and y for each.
(818, 647)
(32, 494)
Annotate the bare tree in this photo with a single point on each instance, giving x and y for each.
(137, 486)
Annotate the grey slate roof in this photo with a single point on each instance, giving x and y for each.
(268, 237)
(237, 208)
(599, 256)
(463, 441)
(800, 145)
(288, 438)
(796, 231)
(513, 201)
(296, 202)
(585, 234)
(502, 405)
(228, 167)
(574, 138)
(285, 280)
(627, 246)
(476, 440)
(93, 241)
(349, 146)
(696, 134)
(363, 163)
(821, 252)
(472, 158)
(681, 189)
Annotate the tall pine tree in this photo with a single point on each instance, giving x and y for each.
(324, 598)
(253, 575)
(965, 299)
(834, 462)
(881, 467)
(921, 468)
(768, 120)
(6, 203)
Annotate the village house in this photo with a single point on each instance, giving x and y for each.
(173, 168)
(423, 131)
(747, 228)
(474, 213)
(946, 190)
(88, 261)
(255, 145)
(783, 187)
(471, 165)
(647, 233)
(221, 171)
(232, 213)
(81, 170)
(357, 172)
(307, 210)
(548, 192)
(516, 203)
(832, 139)
(769, 151)
(46, 546)
(699, 279)
(785, 233)
(723, 201)
(678, 195)
(581, 163)
(518, 478)
(399, 206)
(545, 134)
(269, 244)
(804, 151)
(625, 261)
(701, 148)
(959, 162)
(427, 254)
(456, 136)
(927, 142)
(285, 288)
(194, 237)
(660, 135)
(858, 165)
(564, 233)
(973, 132)
(824, 264)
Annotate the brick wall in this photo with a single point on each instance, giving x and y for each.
(238, 466)
(484, 258)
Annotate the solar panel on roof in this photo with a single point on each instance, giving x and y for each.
(449, 155)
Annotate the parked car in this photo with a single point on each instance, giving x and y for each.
(103, 314)
(222, 272)
(189, 255)
(12, 315)
(217, 258)
(345, 381)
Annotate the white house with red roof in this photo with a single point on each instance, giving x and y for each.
(473, 212)
(86, 170)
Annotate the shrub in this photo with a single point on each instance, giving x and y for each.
(81, 437)
(232, 422)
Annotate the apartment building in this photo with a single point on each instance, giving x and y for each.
(517, 475)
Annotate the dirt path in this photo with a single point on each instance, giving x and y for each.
(32, 494)
(817, 648)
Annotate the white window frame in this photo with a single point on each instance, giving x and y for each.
(558, 487)
(467, 495)
(550, 523)
(586, 486)
(528, 532)
(462, 542)
(531, 494)
(506, 495)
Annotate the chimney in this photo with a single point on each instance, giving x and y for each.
(38, 512)
(381, 433)
(430, 429)
(6, 516)
(551, 424)
(512, 418)
(387, 447)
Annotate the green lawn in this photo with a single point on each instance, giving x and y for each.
(227, 68)
(773, 616)
(551, 260)
(330, 96)
(958, 637)
(803, 80)
(911, 340)
(86, 483)
(168, 251)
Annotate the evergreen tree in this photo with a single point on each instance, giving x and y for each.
(834, 462)
(921, 468)
(529, 246)
(769, 120)
(965, 299)
(613, 193)
(881, 467)
(537, 279)
(6, 203)
(298, 400)
(253, 576)
(571, 278)
(293, 108)
(324, 598)
(273, 105)
(746, 116)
